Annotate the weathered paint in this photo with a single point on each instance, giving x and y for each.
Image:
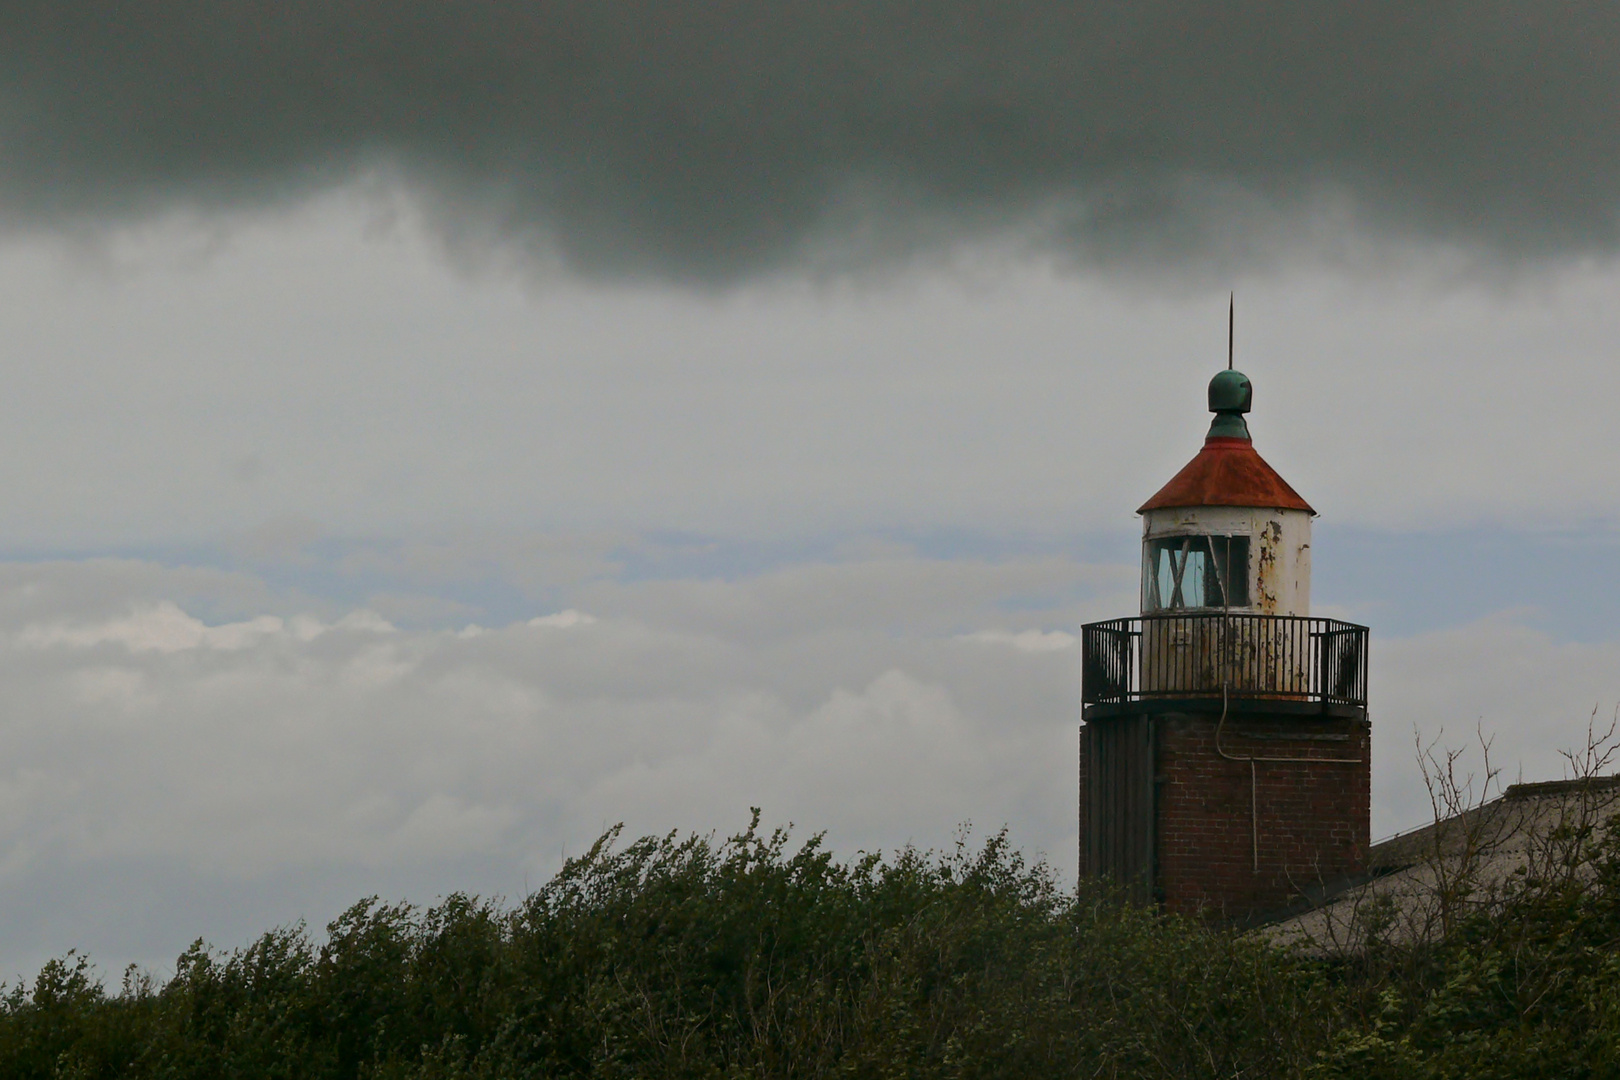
(1279, 549)
(1197, 656)
(1279, 584)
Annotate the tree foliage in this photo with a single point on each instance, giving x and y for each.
(694, 957)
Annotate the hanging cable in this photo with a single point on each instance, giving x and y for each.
(1226, 658)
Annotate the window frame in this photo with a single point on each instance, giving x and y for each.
(1225, 578)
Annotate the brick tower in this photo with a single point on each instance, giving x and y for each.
(1225, 749)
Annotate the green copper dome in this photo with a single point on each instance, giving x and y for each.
(1230, 396)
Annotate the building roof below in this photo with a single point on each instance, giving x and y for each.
(1466, 858)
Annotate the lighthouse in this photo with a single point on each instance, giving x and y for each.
(1225, 764)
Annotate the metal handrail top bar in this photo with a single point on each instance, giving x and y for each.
(1234, 616)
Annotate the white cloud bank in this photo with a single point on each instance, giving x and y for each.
(163, 778)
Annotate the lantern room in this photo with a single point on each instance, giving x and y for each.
(1227, 533)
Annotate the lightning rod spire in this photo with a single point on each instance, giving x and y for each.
(1231, 311)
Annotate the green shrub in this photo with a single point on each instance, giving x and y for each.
(676, 957)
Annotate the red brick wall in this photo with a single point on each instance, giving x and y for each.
(1312, 821)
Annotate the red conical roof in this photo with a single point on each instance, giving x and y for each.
(1227, 472)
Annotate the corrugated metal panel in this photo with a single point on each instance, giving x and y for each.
(1120, 808)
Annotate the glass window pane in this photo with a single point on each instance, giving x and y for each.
(1195, 572)
(1235, 569)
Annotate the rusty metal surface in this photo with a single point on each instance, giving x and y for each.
(1227, 472)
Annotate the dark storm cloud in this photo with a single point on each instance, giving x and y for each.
(712, 138)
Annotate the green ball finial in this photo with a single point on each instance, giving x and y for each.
(1230, 396)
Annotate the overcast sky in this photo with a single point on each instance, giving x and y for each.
(431, 434)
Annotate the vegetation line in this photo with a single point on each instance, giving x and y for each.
(694, 957)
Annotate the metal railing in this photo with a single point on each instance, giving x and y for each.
(1278, 657)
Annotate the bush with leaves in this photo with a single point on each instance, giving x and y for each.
(675, 957)
(678, 957)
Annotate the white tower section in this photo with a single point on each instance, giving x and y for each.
(1236, 558)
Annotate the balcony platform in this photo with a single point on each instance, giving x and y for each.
(1187, 662)
(1236, 706)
